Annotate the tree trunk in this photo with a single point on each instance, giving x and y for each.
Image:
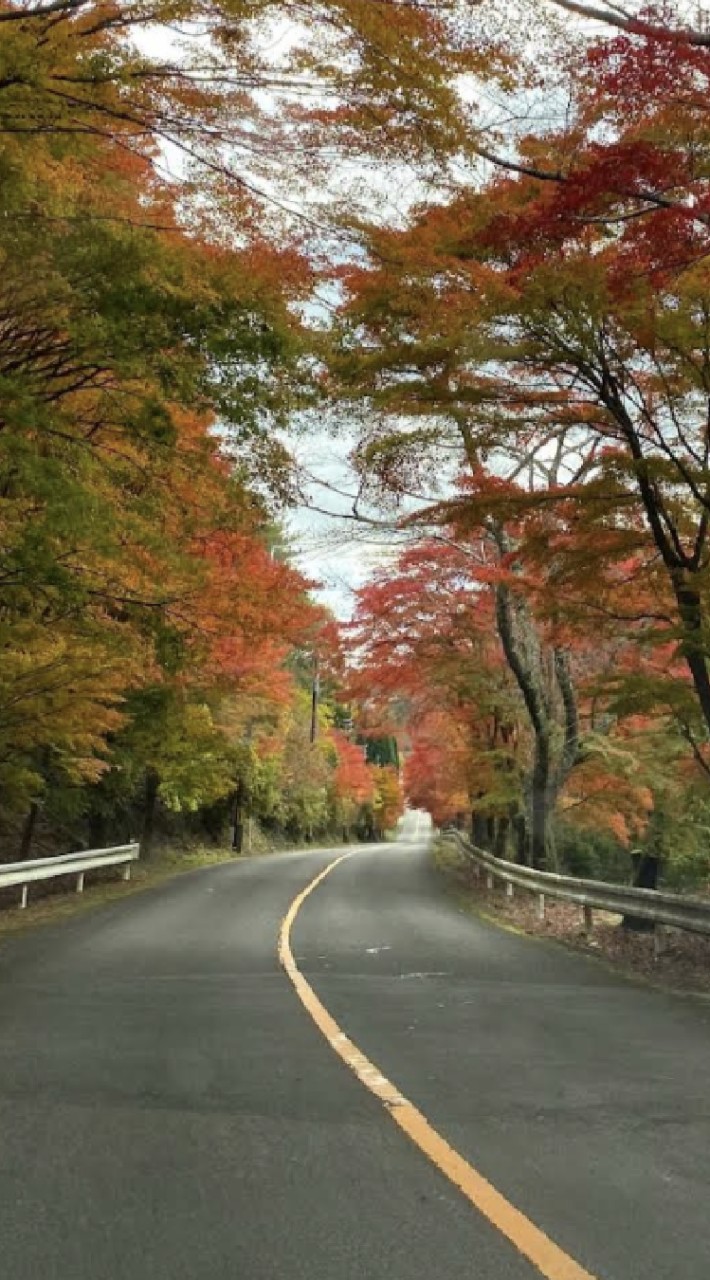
(500, 844)
(521, 839)
(688, 599)
(238, 823)
(646, 870)
(538, 833)
(30, 823)
(570, 749)
(540, 803)
(150, 804)
(479, 831)
(691, 614)
(28, 831)
(522, 648)
(97, 830)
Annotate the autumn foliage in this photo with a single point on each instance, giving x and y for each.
(150, 628)
(525, 355)
(539, 338)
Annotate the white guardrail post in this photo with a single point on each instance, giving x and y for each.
(24, 873)
(663, 909)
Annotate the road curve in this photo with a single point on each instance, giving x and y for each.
(168, 1109)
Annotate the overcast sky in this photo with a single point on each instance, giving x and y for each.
(329, 544)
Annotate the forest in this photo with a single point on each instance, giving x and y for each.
(471, 238)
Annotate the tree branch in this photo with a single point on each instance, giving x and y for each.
(614, 17)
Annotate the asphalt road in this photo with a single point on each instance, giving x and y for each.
(169, 1110)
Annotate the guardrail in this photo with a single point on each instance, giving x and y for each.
(24, 873)
(674, 909)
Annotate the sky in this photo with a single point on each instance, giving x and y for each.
(334, 549)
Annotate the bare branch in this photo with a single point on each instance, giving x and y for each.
(615, 17)
(42, 10)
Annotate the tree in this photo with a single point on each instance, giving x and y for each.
(422, 634)
(548, 335)
(353, 782)
(387, 803)
(142, 366)
(372, 79)
(437, 770)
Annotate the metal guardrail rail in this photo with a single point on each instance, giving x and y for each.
(673, 909)
(24, 873)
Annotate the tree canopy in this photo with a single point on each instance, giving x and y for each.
(506, 210)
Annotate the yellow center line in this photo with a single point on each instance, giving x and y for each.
(543, 1253)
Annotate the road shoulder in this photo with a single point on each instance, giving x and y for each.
(682, 967)
(108, 887)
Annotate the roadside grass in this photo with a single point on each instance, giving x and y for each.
(58, 900)
(456, 872)
(103, 887)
